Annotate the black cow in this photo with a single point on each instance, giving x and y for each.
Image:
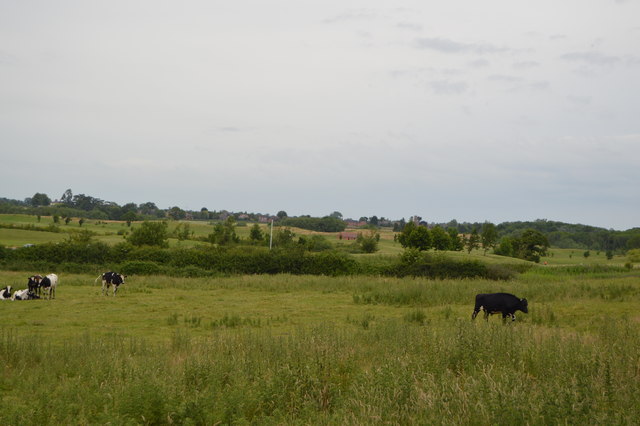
(111, 279)
(35, 284)
(504, 303)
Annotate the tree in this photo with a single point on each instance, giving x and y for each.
(633, 242)
(149, 209)
(440, 239)
(369, 241)
(86, 202)
(67, 197)
(488, 236)
(150, 234)
(282, 214)
(415, 236)
(283, 238)
(255, 234)
(183, 231)
(39, 199)
(129, 217)
(505, 248)
(531, 245)
(337, 215)
(373, 220)
(473, 241)
(176, 213)
(224, 233)
(456, 242)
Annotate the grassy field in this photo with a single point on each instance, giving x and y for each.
(318, 350)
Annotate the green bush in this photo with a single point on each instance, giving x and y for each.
(330, 263)
(140, 267)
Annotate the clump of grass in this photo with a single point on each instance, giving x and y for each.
(231, 321)
(364, 321)
(172, 319)
(416, 315)
(192, 321)
(543, 315)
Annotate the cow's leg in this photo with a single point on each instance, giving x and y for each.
(115, 289)
(475, 313)
(104, 287)
(486, 315)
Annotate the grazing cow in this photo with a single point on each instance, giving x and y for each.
(5, 293)
(24, 295)
(49, 284)
(34, 284)
(504, 303)
(111, 279)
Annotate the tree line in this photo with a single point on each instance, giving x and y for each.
(558, 234)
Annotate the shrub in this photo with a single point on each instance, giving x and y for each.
(330, 263)
(139, 267)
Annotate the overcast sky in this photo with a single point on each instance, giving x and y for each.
(497, 110)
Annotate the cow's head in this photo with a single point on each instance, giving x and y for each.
(524, 306)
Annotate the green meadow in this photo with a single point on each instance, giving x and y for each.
(288, 349)
(298, 349)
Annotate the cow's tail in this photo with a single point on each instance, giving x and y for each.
(96, 280)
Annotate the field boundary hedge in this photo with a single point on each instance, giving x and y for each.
(92, 257)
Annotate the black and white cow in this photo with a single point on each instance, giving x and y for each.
(24, 295)
(111, 279)
(5, 293)
(49, 284)
(34, 284)
(504, 303)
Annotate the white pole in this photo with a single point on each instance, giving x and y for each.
(271, 237)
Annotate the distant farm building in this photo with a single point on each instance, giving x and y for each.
(347, 236)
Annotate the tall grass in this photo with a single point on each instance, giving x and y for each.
(285, 349)
(390, 372)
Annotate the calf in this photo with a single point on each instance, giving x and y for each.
(5, 293)
(24, 295)
(34, 284)
(111, 279)
(49, 284)
(504, 303)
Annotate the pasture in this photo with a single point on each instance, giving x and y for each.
(287, 349)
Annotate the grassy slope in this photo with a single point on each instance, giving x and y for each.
(301, 350)
(107, 231)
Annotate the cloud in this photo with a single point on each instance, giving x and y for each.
(591, 58)
(445, 87)
(504, 78)
(7, 58)
(351, 15)
(449, 46)
(525, 65)
(579, 100)
(479, 63)
(410, 26)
